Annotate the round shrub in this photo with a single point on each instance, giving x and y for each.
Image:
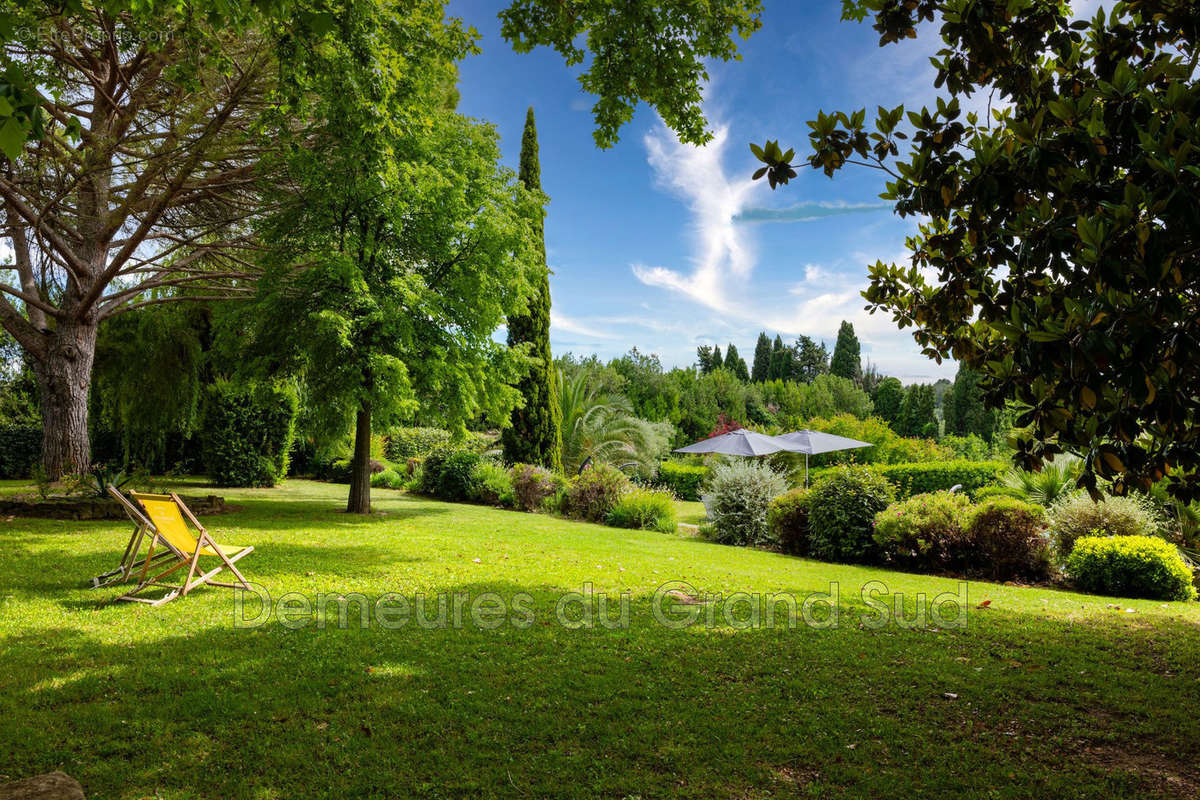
(923, 532)
(984, 492)
(1130, 566)
(593, 493)
(533, 486)
(1007, 539)
(388, 479)
(844, 504)
(742, 491)
(456, 477)
(787, 518)
(492, 484)
(646, 509)
(1079, 515)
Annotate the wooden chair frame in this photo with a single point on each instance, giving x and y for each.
(130, 560)
(182, 559)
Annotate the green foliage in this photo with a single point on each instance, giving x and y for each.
(492, 484)
(847, 354)
(653, 395)
(781, 361)
(1007, 539)
(683, 480)
(405, 443)
(742, 491)
(629, 60)
(965, 410)
(533, 435)
(917, 412)
(935, 476)
(1053, 482)
(247, 432)
(646, 509)
(593, 493)
(534, 485)
(972, 448)
(888, 398)
(1078, 515)
(984, 492)
(1060, 226)
(20, 448)
(923, 532)
(761, 370)
(843, 508)
(736, 364)
(603, 427)
(1130, 566)
(787, 518)
(888, 447)
(387, 479)
(450, 475)
(809, 360)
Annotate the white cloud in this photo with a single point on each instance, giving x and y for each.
(561, 322)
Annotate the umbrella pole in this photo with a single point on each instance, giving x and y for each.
(806, 470)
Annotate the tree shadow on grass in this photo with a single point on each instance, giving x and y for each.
(547, 711)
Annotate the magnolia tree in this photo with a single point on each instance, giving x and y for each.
(1059, 236)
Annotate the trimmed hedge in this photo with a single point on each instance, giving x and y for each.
(20, 448)
(1130, 566)
(937, 476)
(247, 432)
(404, 443)
(841, 518)
(683, 480)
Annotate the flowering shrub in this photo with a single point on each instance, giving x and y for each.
(593, 493)
(533, 486)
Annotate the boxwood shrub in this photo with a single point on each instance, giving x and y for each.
(682, 480)
(842, 515)
(936, 476)
(247, 432)
(787, 517)
(1130, 566)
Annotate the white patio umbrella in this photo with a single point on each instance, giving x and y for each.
(812, 443)
(736, 443)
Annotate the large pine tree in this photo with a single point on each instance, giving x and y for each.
(535, 436)
(761, 370)
(847, 355)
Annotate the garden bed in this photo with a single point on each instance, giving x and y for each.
(85, 508)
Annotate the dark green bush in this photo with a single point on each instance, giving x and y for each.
(646, 509)
(683, 480)
(984, 492)
(247, 432)
(451, 476)
(842, 515)
(404, 443)
(787, 518)
(1130, 566)
(937, 476)
(593, 493)
(387, 479)
(1007, 539)
(20, 447)
(534, 485)
(924, 532)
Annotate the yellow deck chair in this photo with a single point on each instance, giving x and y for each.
(164, 517)
(132, 560)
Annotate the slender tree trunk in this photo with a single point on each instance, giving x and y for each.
(360, 466)
(64, 377)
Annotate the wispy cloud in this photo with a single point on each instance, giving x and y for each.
(804, 212)
(561, 322)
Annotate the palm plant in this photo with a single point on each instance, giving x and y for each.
(1055, 480)
(603, 427)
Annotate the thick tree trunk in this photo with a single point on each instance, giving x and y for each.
(64, 377)
(360, 466)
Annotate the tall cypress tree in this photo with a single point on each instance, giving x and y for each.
(535, 436)
(717, 361)
(847, 354)
(781, 357)
(761, 370)
(735, 363)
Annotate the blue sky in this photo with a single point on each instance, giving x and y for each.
(667, 246)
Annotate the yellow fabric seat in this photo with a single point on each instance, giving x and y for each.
(164, 522)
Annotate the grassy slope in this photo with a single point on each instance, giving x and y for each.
(1057, 694)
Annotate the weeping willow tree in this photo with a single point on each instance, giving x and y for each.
(603, 427)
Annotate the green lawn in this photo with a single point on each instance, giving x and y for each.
(1045, 694)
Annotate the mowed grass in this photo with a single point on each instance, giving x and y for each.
(1045, 694)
